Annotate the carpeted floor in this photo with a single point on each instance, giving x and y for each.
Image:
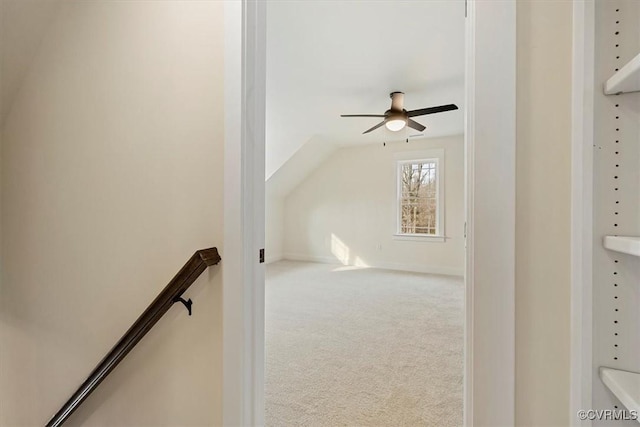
(362, 347)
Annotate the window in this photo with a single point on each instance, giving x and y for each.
(419, 204)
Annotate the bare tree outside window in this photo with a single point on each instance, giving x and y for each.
(418, 197)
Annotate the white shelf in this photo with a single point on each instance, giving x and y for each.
(627, 79)
(625, 244)
(624, 385)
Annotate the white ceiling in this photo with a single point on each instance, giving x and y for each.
(326, 58)
(22, 26)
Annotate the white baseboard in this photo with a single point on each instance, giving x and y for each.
(273, 258)
(310, 258)
(414, 268)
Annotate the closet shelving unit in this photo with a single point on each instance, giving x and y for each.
(616, 209)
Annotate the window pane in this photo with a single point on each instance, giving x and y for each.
(418, 203)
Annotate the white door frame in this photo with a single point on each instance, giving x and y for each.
(490, 138)
(242, 275)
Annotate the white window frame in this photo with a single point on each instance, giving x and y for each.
(429, 156)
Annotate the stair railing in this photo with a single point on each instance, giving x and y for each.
(171, 294)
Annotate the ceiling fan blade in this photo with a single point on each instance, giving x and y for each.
(432, 110)
(415, 125)
(361, 115)
(375, 127)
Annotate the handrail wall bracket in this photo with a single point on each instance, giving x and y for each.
(187, 303)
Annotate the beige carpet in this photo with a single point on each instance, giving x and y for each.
(362, 347)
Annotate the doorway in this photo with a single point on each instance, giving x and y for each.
(489, 265)
(364, 228)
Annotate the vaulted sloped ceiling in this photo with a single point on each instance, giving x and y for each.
(23, 24)
(326, 58)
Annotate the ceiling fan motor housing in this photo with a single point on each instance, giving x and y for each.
(396, 115)
(397, 101)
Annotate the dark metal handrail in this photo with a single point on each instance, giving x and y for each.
(163, 302)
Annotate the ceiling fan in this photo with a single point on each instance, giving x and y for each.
(396, 118)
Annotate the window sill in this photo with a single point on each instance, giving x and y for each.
(418, 238)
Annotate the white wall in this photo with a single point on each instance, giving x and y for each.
(344, 211)
(274, 226)
(543, 212)
(112, 172)
(305, 160)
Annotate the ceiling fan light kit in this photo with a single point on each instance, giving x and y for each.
(396, 118)
(396, 123)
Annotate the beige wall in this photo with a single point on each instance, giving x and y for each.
(344, 211)
(112, 170)
(22, 27)
(543, 209)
